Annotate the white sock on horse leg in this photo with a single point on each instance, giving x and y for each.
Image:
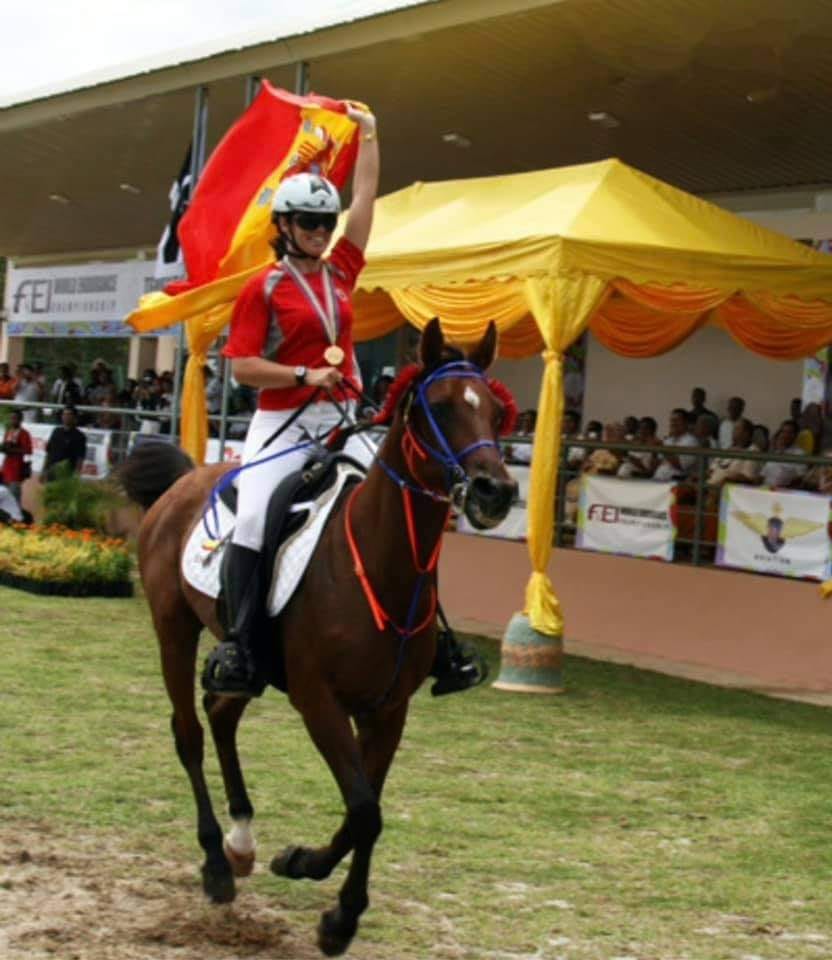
(240, 838)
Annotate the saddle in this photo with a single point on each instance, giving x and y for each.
(292, 508)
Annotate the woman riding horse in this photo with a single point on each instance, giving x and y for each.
(291, 337)
(354, 662)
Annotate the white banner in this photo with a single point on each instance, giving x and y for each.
(785, 533)
(97, 462)
(88, 299)
(514, 525)
(633, 518)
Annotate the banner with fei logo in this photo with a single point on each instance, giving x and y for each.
(633, 518)
(780, 532)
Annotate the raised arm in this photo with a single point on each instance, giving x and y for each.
(364, 179)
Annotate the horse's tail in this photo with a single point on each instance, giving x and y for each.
(150, 469)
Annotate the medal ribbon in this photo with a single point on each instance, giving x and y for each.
(328, 311)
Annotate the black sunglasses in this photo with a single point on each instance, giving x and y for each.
(307, 220)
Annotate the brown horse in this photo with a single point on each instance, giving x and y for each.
(343, 663)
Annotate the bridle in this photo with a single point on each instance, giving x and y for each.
(457, 480)
(453, 496)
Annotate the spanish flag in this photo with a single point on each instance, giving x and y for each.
(225, 232)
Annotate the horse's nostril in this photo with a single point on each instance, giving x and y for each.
(485, 487)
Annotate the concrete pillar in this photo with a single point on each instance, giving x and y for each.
(142, 355)
(165, 354)
(11, 350)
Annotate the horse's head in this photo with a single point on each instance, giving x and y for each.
(453, 416)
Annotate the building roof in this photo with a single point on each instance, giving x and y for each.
(703, 96)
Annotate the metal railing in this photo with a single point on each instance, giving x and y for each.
(694, 487)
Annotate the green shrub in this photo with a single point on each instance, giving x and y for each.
(75, 503)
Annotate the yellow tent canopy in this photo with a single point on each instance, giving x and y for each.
(547, 254)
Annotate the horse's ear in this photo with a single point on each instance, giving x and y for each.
(432, 344)
(485, 352)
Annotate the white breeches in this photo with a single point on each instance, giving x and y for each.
(256, 485)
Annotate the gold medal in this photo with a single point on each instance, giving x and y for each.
(334, 355)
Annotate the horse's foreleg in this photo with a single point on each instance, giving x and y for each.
(178, 638)
(306, 863)
(224, 715)
(379, 735)
(329, 726)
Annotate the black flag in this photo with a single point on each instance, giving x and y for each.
(169, 263)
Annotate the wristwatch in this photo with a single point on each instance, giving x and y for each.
(300, 376)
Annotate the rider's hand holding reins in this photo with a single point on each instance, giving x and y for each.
(326, 377)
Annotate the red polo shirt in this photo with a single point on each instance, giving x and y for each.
(301, 335)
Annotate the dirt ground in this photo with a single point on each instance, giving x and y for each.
(67, 898)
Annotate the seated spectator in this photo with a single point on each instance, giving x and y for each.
(642, 464)
(606, 462)
(598, 462)
(8, 384)
(698, 408)
(675, 466)
(631, 427)
(811, 429)
(66, 444)
(725, 436)
(734, 470)
(520, 449)
(760, 437)
(795, 409)
(571, 430)
(776, 474)
(28, 391)
(819, 477)
(705, 429)
(594, 430)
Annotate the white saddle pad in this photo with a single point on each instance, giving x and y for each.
(202, 556)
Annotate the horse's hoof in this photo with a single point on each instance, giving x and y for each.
(218, 886)
(334, 935)
(241, 863)
(285, 863)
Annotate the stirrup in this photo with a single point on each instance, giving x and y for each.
(464, 669)
(228, 671)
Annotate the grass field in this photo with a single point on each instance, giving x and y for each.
(638, 816)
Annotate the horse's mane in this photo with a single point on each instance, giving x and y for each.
(413, 371)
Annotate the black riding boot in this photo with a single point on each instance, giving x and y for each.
(231, 668)
(456, 666)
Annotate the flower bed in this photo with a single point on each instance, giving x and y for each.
(56, 560)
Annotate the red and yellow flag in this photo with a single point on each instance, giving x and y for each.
(224, 235)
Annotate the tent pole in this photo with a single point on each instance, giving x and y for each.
(197, 162)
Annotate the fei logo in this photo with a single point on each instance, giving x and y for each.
(603, 512)
(34, 295)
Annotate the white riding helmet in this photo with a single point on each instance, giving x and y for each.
(306, 191)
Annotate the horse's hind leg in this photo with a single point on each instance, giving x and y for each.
(224, 715)
(178, 638)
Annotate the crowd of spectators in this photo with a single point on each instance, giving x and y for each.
(698, 428)
(150, 397)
